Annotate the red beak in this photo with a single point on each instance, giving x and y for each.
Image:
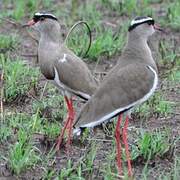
(31, 22)
(157, 27)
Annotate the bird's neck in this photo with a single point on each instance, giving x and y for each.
(137, 48)
(48, 48)
(48, 53)
(49, 45)
(138, 43)
(50, 37)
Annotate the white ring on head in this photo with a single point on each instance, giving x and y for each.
(41, 14)
(140, 20)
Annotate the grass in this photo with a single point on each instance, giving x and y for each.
(14, 122)
(106, 44)
(50, 106)
(18, 9)
(129, 8)
(5, 133)
(169, 57)
(156, 105)
(170, 62)
(21, 129)
(83, 170)
(175, 75)
(153, 144)
(78, 41)
(108, 169)
(90, 14)
(174, 14)
(163, 175)
(18, 77)
(176, 170)
(22, 154)
(7, 42)
(22, 151)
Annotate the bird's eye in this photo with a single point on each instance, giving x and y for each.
(150, 23)
(42, 18)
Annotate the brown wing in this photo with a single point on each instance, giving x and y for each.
(74, 74)
(122, 87)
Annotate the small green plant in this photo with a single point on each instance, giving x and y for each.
(49, 174)
(7, 42)
(78, 41)
(18, 77)
(88, 163)
(174, 174)
(108, 169)
(155, 105)
(19, 10)
(168, 57)
(32, 5)
(121, 7)
(170, 60)
(52, 129)
(51, 106)
(85, 134)
(90, 14)
(14, 122)
(22, 154)
(106, 44)
(152, 144)
(176, 169)
(31, 124)
(128, 7)
(84, 168)
(175, 75)
(66, 172)
(5, 132)
(174, 14)
(17, 121)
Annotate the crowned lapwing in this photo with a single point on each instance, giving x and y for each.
(131, 82)
(61, 66)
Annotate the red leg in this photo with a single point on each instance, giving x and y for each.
(60, 138)
(70, 123)
(118, 145)
(126, 146)
(71, 113)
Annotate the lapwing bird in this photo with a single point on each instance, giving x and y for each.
(131, 82)
(61, 66)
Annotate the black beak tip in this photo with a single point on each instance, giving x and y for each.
(25, 25)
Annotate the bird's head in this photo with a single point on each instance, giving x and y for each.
(44, 23)
(143, 26)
